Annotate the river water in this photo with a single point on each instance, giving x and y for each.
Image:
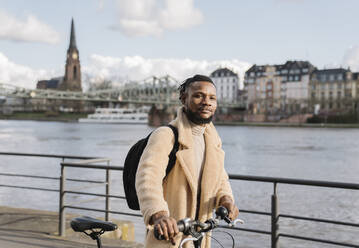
(303, 153)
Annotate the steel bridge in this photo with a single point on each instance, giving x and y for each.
(152, 90)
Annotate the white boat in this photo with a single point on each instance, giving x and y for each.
(117, 115)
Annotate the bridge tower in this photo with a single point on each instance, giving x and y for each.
(72, 79)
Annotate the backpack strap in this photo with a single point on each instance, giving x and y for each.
(172, 155)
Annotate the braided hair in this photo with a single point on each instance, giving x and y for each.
(196, 78)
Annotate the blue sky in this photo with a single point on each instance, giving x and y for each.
(133, 39)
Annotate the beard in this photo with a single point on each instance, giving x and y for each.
(196, 118)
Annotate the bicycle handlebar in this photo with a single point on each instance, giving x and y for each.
(189, 227)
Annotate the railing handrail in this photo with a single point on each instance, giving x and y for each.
(92, 166)
(45, 155)
(306, 182)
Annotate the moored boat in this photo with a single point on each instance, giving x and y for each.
(117, 115)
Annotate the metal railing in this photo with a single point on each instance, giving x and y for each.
(274, 213)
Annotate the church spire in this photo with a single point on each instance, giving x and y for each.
(72, 37)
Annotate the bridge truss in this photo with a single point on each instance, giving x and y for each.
(152, 90)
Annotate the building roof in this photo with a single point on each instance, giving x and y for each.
(223, 72)
(72, 36)
(289, 65)
(332, 71)
(297, 64)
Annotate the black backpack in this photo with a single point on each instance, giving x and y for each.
(131, 165)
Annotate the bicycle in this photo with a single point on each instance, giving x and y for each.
(92, 227)
(197, 230)
(95, 228)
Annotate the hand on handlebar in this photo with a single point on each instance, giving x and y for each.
(165, 226)
(233, 211)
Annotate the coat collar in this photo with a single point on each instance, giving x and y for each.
(214, 153)
(185, 132)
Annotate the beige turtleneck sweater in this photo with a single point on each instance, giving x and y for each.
(199, 149)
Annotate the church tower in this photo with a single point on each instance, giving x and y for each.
(72, 79)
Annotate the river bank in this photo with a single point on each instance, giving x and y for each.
(44, 116)
(73, 117)
(281, 124)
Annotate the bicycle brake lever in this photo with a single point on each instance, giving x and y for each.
(188, 239)
(233, 223)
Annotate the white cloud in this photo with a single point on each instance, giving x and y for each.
(29, 30)
(153, 17)
(351, 58)
(119, 70)
(20, 75)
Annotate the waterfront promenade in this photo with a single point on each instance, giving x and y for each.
(27, 228)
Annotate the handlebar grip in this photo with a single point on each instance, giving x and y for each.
(181, 228)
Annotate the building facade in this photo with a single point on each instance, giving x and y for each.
(334, 91)
(278, 89)
(227, 84)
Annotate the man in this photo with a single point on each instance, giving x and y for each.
(198, 183)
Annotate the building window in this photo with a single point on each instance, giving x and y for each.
(296, 78)
(322, 86)
(313, 86)
(331, 77)
(339, 94)
(339, 86)
(340, 77)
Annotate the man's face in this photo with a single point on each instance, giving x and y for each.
(200, 102)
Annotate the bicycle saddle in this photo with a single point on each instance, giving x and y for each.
(85, 223)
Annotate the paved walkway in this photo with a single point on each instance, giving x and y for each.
(26, 228)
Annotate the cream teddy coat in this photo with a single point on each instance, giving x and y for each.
(177, 194)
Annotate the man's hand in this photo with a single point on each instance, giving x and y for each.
(227, 202)
(165, 225)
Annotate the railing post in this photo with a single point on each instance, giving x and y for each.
(275, 218)
(62, 216)
(108, 179)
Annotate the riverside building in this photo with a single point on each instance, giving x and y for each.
(278, 90)
(334, 91)
(227, 84)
